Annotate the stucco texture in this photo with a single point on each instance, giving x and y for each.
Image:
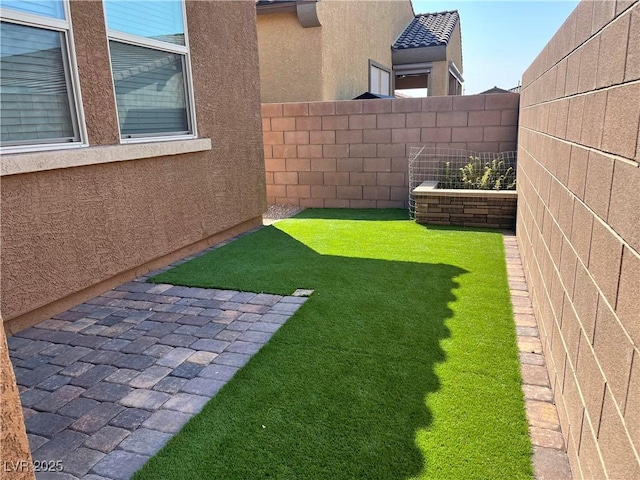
(353, 33)
(291, 62)
(330, 62)
(68, 229)
(92, 54)
(454, 48)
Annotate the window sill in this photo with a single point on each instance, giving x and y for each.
(13, 164)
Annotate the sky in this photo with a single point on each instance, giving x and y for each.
(500, 39)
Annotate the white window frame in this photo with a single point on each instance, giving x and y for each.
(71, 75)
(185, 50)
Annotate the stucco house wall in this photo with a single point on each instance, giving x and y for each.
(439, 79)
(330, 62)
(70, 231)
(578, 229)
(454, 49)
(355, 32)
(290, 58)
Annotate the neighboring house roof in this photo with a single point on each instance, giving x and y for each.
(369, 96)
(495, 90)
(501, 90)
(428, 30)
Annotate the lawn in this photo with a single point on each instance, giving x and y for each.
(403, 363)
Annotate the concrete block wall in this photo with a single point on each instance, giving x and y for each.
(354, 153)
(578, 229)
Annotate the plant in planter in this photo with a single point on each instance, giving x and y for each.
(451, 177)
(494, 175)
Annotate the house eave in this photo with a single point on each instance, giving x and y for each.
(276, 7)
(305, 9)
(419, 55)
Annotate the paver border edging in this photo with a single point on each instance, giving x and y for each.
(550, 458)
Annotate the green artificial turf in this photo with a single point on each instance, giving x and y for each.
(402, 364)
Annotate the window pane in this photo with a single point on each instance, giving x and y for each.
(375, 79)
(157, 20)
(33, 87)
(384, 82)
(48, 8)
(150, 90)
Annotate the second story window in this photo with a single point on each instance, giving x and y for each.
(39, 99)
(150, 66)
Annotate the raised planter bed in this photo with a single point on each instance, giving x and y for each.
(472, 208)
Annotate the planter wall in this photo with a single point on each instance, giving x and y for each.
(471, 208)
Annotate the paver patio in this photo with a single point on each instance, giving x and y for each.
(105, 384)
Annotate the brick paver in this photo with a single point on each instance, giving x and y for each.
(107, 383)
(549, 451)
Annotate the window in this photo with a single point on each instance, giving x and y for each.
(379, 79)
(150, 66)
(37, 87)
(454, 86)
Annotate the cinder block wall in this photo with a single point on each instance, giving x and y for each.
(579, 229)
(354, 153)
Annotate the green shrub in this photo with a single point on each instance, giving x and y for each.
(494, 175)
(450, 177)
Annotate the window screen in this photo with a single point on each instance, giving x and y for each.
(150, 90)
(150, 66)
(34, 87)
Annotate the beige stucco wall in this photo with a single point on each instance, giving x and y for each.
(454, 48)
(290, 59)
(330, 62)
(578, 229)
(66, 231)
(454, 52)
(439, 79)
(354, 32)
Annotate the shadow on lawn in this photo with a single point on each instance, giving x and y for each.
(340, 391)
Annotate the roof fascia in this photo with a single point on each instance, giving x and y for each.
(419, 55)
(305, 10)
(276, 8)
